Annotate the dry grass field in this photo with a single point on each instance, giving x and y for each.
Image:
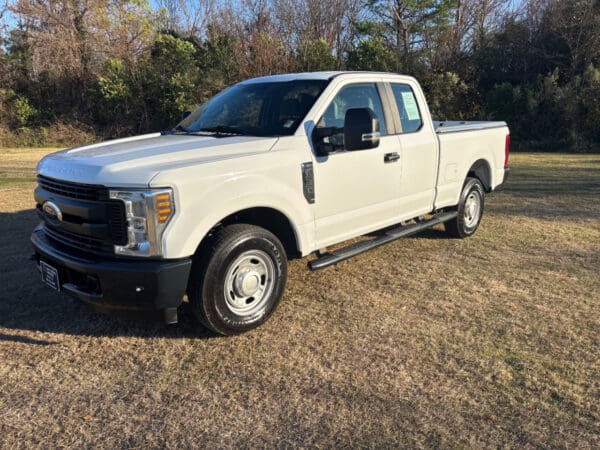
(492, 341)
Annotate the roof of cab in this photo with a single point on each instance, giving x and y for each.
(293, 76)
(309, 76)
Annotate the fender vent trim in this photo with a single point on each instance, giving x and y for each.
(308, 182)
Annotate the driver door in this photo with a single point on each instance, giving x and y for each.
(356, 191)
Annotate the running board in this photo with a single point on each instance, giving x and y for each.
(328, 259)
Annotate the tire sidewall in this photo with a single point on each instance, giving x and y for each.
(213, 293)
(472, 185)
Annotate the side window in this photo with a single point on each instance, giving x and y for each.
(361, 95)
(410, 116)
(295, 104)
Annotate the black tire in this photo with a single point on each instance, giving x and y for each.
(466, 222)
(260, 261)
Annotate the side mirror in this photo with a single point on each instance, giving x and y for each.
(185, 114)
(318, 137)
(361, 129)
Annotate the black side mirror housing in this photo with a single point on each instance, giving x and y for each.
(185, 114)
(361, 129)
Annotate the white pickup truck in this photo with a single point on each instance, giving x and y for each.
(271, 168)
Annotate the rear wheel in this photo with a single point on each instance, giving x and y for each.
(470, 210)
(238, 280)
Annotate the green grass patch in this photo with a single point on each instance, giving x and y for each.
(10, 181)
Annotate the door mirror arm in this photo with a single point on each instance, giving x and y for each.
(319, 135)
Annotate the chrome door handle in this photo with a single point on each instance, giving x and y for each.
(391, 157)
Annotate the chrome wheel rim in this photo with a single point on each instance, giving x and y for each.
(249, 282)
(472, 209)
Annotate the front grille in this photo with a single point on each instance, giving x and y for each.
(116, 222)
(87, 206)
(73, 190)
(79, 242)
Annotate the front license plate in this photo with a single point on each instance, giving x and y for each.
(50, 275)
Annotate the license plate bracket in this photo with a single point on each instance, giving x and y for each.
(50, 275)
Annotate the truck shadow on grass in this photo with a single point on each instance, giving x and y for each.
(26, 304)
(565, 195)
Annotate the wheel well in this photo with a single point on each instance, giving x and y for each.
(268, 218)
(481, 170)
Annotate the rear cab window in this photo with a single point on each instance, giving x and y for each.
(408, 108)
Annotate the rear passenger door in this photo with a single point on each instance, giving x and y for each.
(419, 153)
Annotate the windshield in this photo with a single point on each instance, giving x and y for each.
(258, 109)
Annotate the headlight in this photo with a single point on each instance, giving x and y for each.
(147, 214)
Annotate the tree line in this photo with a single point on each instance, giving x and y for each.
(78, 70)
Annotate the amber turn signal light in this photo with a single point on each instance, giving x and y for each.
(163, 207)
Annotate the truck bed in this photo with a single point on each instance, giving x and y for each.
(446, 126)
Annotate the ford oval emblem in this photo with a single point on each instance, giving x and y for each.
(52, 211)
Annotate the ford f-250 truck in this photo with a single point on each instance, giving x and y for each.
(271, 168)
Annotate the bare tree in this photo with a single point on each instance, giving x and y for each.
(58, 33)
(196, 15)
(3, 8)
(577, 25)
(75, 37)
(411, 27)
(308, 20)
(190, 17)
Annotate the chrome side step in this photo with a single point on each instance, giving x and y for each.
(331, 258)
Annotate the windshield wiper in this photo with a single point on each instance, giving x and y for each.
(224, 129)
(220, 130)
(179, 129)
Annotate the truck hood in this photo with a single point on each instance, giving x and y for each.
(135, 161)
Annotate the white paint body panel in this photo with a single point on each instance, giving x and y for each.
(356, 192)
(459, 151)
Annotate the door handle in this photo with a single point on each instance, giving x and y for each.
(391, 157)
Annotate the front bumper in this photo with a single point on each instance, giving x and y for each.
(117, 285)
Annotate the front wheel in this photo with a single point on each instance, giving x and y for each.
(238, 280)
(470, 210)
